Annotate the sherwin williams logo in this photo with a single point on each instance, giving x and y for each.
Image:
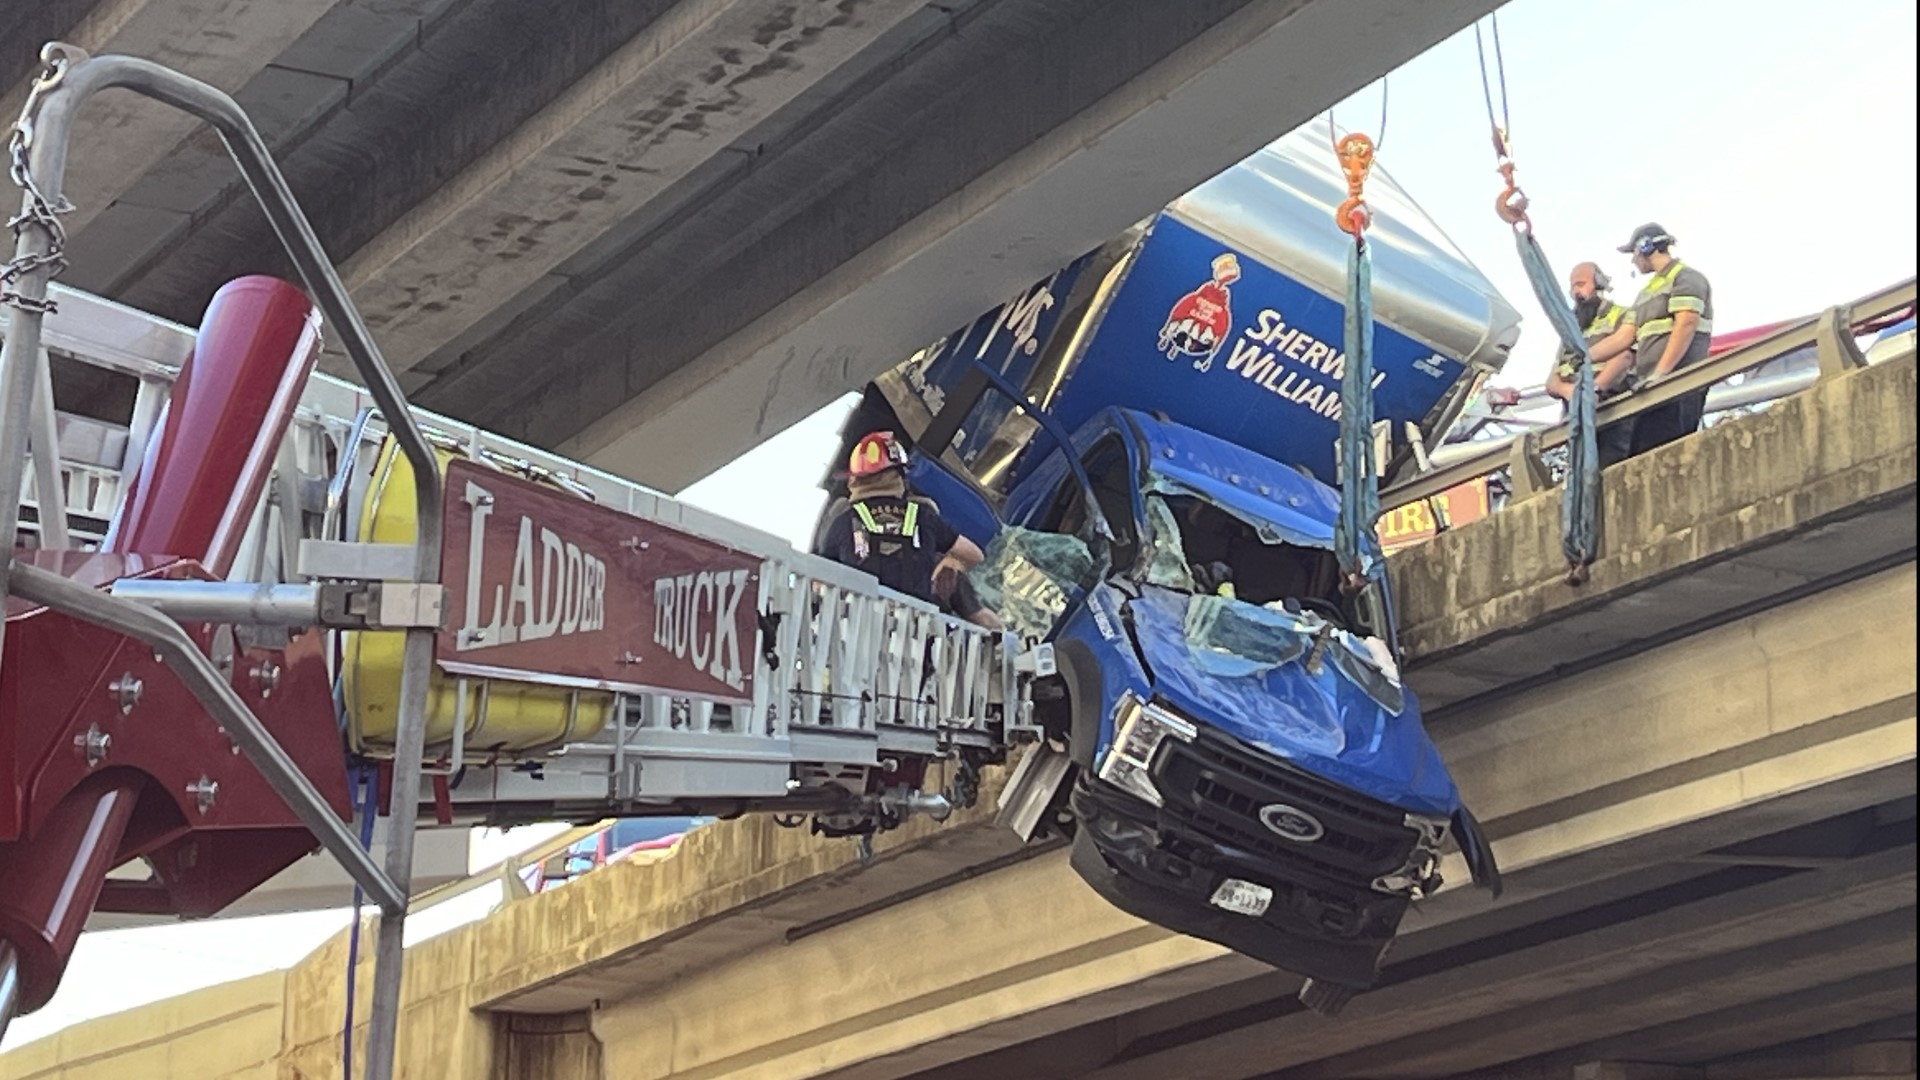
(1292, 823)
(1201, 320)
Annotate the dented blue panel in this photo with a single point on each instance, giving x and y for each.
(1285, 506)
(1263, 677)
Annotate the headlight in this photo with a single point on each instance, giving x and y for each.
(1419, 877)
(1138, 731)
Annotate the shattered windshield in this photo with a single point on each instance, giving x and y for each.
(1029, 577)
(1235, 639)
(1258, 602)
(1250, 602)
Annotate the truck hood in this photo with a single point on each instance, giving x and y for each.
(1294, 687)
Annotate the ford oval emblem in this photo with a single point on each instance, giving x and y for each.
(1292, 823)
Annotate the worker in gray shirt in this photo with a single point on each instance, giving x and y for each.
(1673, 319)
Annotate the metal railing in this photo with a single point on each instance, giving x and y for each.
(896, 667)
(37, 151)
(1830, 334)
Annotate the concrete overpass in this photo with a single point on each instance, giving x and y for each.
(1699, 772)
(651, 233)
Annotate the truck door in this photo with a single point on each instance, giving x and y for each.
(1054, 501)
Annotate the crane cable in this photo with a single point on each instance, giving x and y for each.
(1359, 469)
(1580, 502)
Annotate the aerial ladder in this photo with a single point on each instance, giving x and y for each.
(261, 607)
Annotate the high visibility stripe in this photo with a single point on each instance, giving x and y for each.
(1662, 281)
(908, 526)
(1657, 327)
(1607, 322)
(1677, 304)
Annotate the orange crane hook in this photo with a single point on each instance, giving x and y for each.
(1356, 160)
(1511, 203)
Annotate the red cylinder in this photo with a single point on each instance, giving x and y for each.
(205, 469)
(53, 880)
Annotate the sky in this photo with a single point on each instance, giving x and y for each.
(1775, 141)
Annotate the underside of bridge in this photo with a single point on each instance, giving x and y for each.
(654, 232)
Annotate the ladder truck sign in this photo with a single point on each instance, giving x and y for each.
(554, 589)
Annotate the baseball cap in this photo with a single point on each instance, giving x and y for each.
(1650, 231)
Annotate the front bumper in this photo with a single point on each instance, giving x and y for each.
(1327, 920)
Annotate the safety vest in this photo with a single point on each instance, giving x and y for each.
(869, 526)
(1661, 285)
(1605, 323)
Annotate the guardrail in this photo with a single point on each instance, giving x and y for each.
(1830, 334)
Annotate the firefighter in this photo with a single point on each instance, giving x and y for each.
(1609, 331)
(903, 542)
(1673, 319)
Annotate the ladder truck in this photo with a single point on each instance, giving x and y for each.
(261, 580)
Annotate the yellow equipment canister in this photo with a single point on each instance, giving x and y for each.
(500, 714)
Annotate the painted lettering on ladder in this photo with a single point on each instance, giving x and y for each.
(555, 588)
(696, 617)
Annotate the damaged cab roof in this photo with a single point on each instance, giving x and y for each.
(1285, 505)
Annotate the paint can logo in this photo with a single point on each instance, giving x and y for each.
(1203, 318)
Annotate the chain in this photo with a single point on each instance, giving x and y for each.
(38, 211)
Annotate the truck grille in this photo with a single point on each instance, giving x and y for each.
(1218, 788)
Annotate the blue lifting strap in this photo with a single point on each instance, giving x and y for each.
(1580, 498)
(1359, 472)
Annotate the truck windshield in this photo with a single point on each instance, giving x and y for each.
(1195, 546)
(1258, 602)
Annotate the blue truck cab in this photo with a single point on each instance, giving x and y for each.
(1144, 444)
(1248, 766)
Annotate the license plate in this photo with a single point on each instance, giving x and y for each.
(1242, 897)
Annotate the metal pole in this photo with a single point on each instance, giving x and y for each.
(35, 259)
(9, 986)
(246, 602)
(49, 113)
(50, 491)
(383, 1026)
(183, 656)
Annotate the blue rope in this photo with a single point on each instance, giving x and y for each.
(1580, 498)
(366, 780)
(1360, 474)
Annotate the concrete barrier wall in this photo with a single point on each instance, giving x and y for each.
(1828, 451)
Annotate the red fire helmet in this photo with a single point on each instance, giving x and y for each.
(875, 453)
